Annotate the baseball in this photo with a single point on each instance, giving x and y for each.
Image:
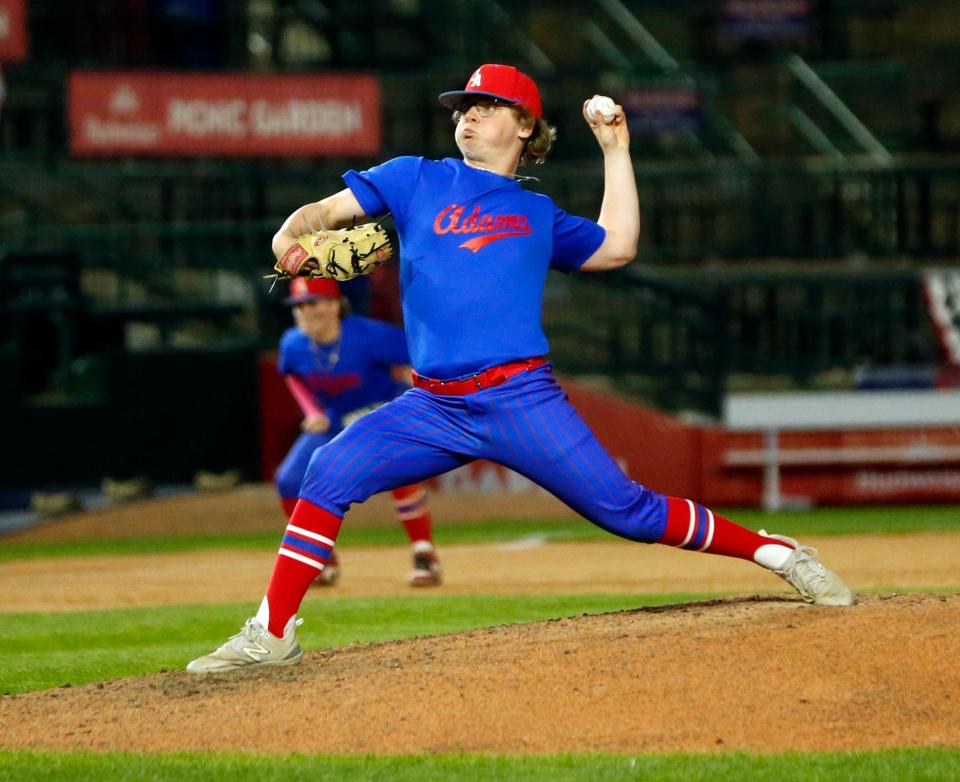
(602, 105)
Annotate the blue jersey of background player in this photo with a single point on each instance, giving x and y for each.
(338, 368)
(349, 375)
(475, 249)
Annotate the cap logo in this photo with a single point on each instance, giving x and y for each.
(299, 286)
(475, 79)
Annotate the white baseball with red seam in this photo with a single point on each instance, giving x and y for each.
(601, 105)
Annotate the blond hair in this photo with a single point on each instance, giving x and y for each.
(539, 143)
(536, 147)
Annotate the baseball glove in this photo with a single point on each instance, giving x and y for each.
(337, 255)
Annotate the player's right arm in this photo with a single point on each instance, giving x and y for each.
(315, 418)
(620, 210)
(337, 211)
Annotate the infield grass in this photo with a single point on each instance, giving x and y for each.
(903, 765)
(67, 649)
(818, 521)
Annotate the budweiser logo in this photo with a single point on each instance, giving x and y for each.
(124, 100)
(451, 219)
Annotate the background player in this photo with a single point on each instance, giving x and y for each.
(339, 367)
(475, 251)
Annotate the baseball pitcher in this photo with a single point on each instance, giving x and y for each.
(476, 250)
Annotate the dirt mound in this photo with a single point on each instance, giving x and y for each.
(757, 674)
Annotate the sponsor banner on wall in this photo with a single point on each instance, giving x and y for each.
(232, 115)
(655, 110)
(13, 31)
(767, 20)
(842, 467)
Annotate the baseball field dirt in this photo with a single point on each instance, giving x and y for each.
(750, 673)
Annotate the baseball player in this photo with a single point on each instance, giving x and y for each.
(339, 368)
(476, 247)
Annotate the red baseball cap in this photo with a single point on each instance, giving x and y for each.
(503, 82)
(310, 289)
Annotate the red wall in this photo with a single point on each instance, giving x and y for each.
(658, 450)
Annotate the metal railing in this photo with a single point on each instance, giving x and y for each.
(646, 47)
(850, 122)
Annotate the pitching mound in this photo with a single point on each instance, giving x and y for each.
(755, 674)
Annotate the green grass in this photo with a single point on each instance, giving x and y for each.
(885, 519)
(15, 550)
(819, 521)
(904, 765)
(51, 650)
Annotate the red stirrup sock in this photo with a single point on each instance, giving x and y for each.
(306, 546)
(288, 504)
(696, 528)
(410, 504)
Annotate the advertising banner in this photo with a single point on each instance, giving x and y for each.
(655, 110)
(857, 467)
(767, 20)
(229, 115)
(13, 31)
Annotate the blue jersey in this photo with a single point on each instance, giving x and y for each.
(350, 375)
(475, 249)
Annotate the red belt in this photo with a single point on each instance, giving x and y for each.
(494, 376)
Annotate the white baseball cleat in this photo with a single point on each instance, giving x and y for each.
(253, 647)
(330, 574)
(815, 583)
(426, 566)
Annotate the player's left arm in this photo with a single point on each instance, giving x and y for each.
(620, 210)
(339, 210)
